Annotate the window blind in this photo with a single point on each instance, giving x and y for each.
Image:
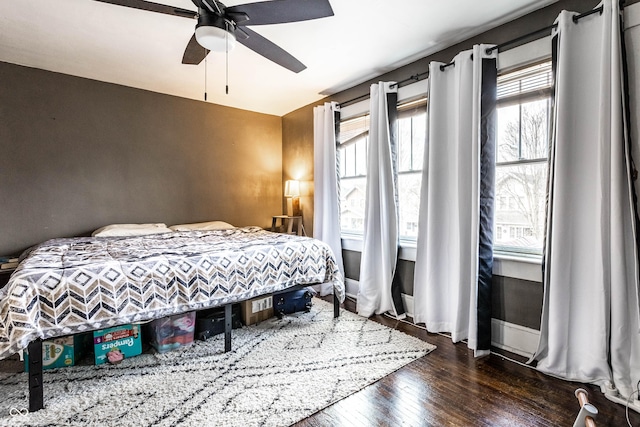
(536, 80)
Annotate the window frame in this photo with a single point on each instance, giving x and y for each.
(520, 99)
(406, 108)
(343, 145)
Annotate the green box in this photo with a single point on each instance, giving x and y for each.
(61, 352)
(112, 345)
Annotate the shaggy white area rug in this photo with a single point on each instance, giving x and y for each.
(278, 372)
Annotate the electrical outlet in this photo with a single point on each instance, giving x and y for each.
(261, 304)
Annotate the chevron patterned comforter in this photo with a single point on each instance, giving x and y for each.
(64, 286)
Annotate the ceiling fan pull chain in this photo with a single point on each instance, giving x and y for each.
(205, 78)
(226, 39)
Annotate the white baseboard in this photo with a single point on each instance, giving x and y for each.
(514, 338)
(351, 288)
(507, 336)
(407, 300)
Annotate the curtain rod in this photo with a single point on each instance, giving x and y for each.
(498, 47)
(413, 78)
(575, 19)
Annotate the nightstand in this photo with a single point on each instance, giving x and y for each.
(288, 223)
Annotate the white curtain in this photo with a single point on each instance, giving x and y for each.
(326, 215)
(380, 236)
(447, 257)
(589, 329)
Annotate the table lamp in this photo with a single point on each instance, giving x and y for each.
(292, 193)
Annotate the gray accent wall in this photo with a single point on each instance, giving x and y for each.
(513, 300)
(78, 154)
(517, 301)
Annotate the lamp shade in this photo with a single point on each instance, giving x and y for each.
(214, 38)
(292, 188)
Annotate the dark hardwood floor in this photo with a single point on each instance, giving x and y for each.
(449, 387)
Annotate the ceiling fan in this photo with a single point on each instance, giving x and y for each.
(220, 26)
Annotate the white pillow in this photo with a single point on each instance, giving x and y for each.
(124, 230)
(203, 226)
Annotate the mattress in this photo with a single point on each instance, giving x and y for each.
(66, 286)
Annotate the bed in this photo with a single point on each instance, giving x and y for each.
(66, 286)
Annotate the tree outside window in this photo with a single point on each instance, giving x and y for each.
(352, 164)
(353, 141)
(521, 164)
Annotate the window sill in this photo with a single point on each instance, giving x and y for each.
(525, 258)
(508, 265)
(354, 243)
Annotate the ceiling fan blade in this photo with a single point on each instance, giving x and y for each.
(153, 7)
(281, 11)
(194, 53)
(271, 51)
(241, 34)
(238, 17)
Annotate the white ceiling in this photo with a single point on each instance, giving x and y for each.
(144, 50)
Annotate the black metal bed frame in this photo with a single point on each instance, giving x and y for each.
(36, 389)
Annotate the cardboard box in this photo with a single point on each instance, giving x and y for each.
(172, 332)
(112, 345)
(257, 309)
(61, 352)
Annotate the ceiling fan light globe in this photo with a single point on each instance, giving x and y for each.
(215, 39)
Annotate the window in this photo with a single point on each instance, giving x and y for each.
(412, 133)
(524, 107)
(353, 140)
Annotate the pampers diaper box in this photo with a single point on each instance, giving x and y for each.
(112, 345)
(61, 352)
